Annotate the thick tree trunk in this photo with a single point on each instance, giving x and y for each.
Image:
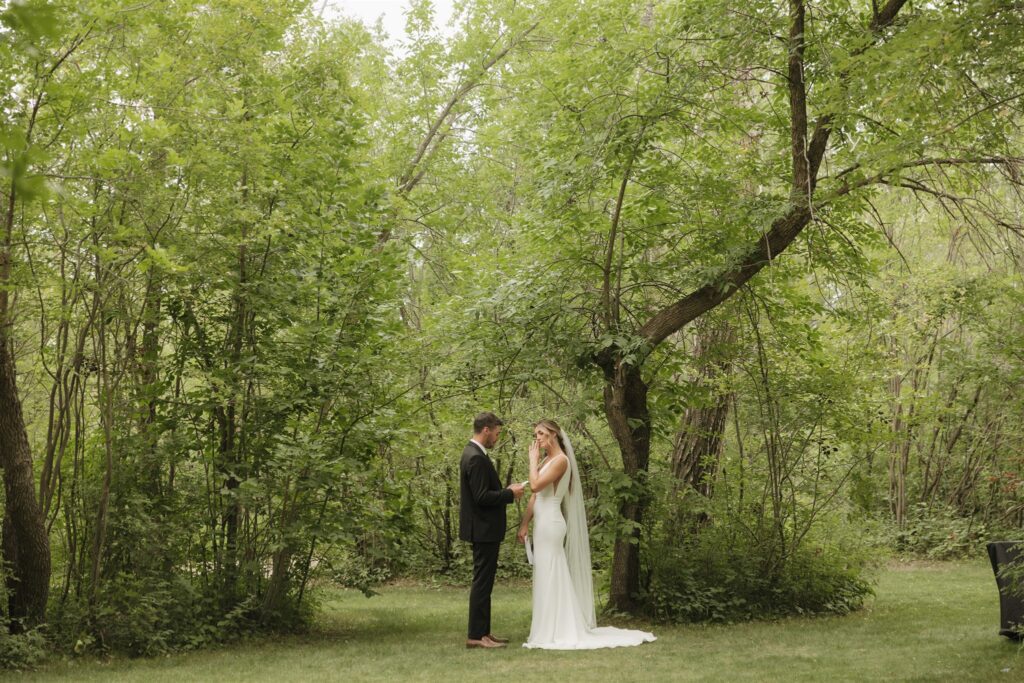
(698, 443)
(277, 587)
(26, 545)
(625, 403)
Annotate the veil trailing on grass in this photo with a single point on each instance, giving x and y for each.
(577, 538)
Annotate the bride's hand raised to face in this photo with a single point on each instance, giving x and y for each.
(553, 469)
(534, 451)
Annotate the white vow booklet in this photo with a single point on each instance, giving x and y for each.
(529, 550)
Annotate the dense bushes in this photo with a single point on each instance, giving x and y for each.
(940, 533)
(22, 651)
(725, 570)
(699, 582)
(152, 615)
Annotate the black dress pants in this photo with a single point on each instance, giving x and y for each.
(485, 565)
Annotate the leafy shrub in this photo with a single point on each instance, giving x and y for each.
(709, 561)
(939, 533)
(711, 578)
(151, 615)
(349, 571)
(22, 651)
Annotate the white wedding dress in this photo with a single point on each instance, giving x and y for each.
(563, 609)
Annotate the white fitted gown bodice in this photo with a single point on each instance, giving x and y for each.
(558, 622)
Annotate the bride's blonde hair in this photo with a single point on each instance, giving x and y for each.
(547, 423)
(553, 426)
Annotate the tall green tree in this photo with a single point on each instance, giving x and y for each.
(32, 51)
(668, 162)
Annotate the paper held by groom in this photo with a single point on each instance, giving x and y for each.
(482, 522)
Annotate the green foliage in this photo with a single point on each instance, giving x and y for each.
(940, 533)
(24, 650)
(218, 319)
(711, 581)
(157, 613)
(710, 565)
(265, 272)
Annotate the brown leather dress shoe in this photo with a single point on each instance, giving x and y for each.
(484, 642)
(503, 641)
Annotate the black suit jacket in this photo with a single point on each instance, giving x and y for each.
(482, 498)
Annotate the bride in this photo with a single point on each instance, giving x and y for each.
(563, 590)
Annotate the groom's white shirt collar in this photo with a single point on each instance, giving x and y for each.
(480, 445)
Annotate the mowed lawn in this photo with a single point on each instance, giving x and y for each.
(928, 622)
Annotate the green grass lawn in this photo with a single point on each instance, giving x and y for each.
(928, 622)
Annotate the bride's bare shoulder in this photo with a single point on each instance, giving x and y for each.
(562, 459)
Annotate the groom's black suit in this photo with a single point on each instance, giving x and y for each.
(482, 523)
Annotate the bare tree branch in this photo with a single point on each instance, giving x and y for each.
(410, 178)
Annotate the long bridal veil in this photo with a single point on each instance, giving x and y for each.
(577, 539)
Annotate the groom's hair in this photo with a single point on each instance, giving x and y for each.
(487, 419)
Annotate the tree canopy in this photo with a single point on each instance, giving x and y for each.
(258, 272)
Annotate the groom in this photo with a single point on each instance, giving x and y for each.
(482, 523)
